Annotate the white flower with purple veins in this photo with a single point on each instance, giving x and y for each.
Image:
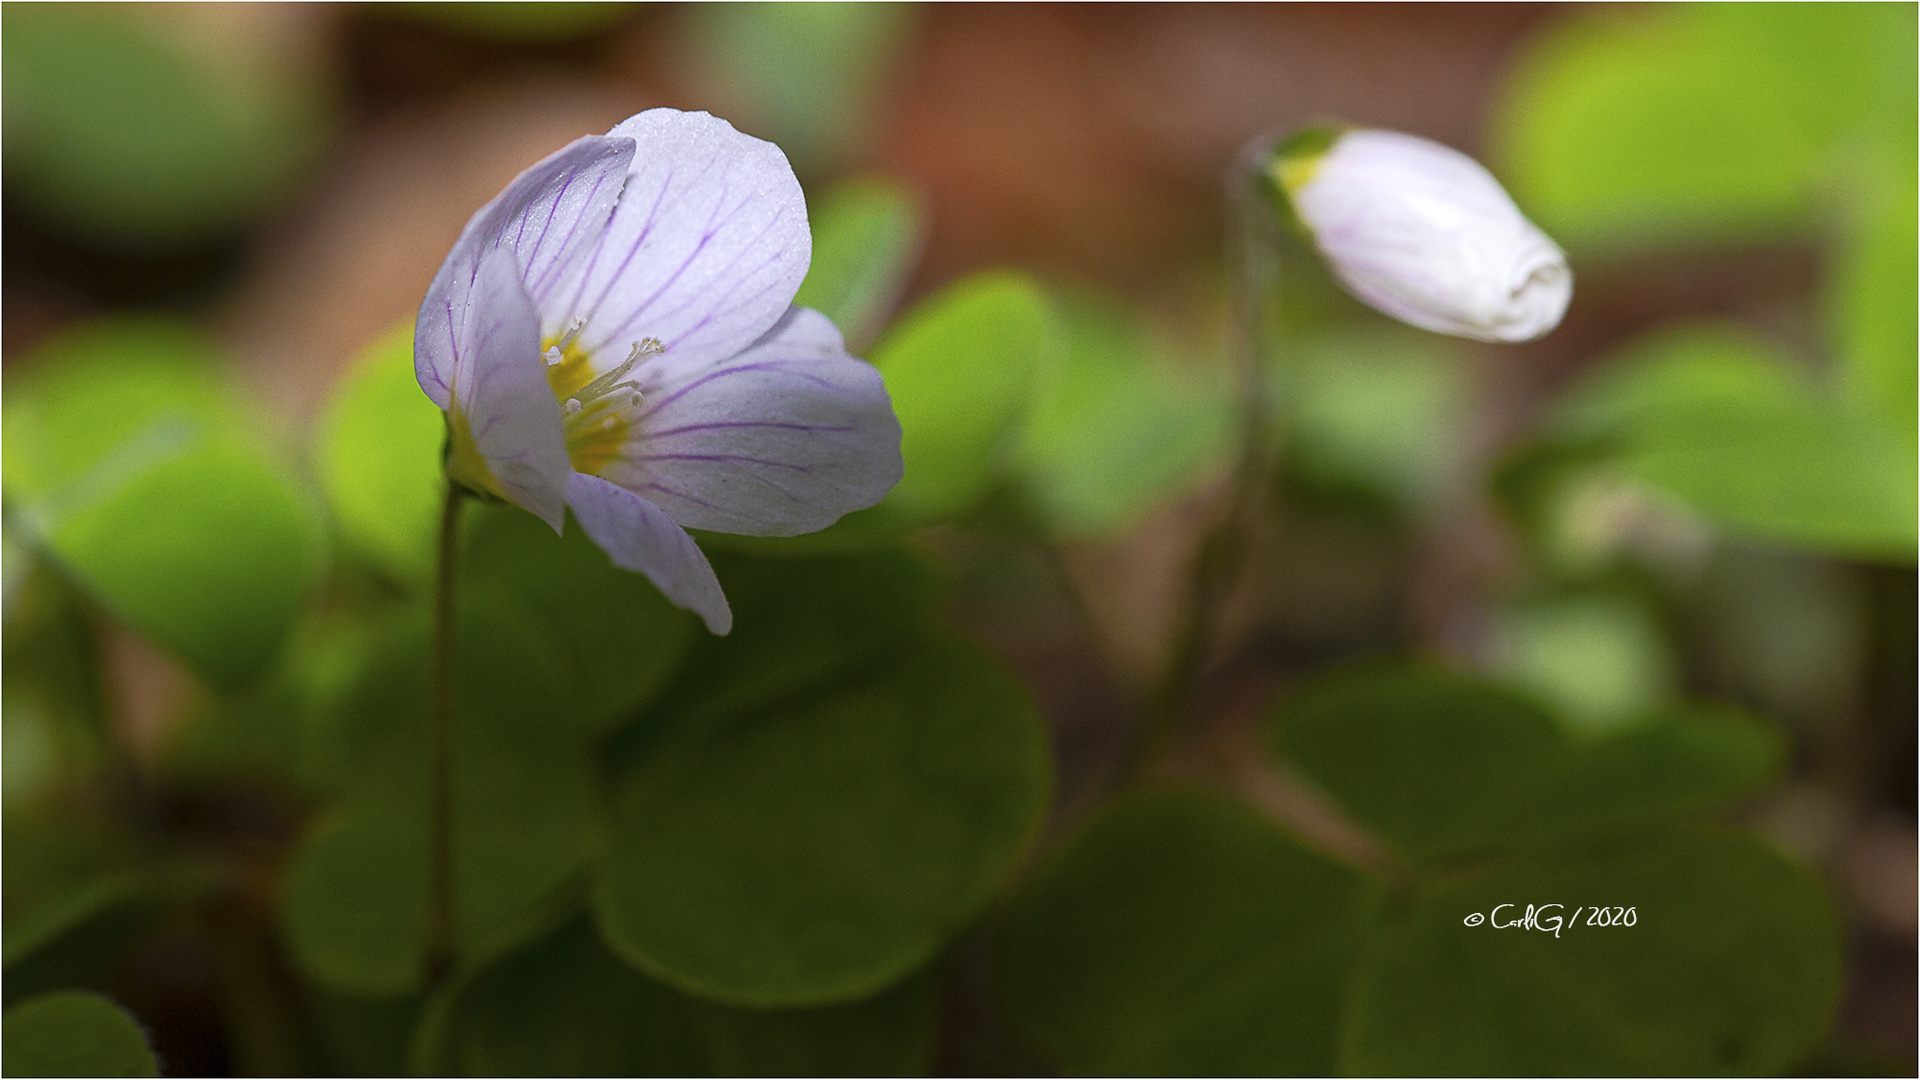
(615, 333)
(1425, 234)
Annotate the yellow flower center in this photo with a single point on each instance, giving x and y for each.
(598, 409)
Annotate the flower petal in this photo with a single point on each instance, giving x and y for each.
(548, 215)
(500, 390)
(781, 439)
(1424, 233)
(704, 252)
(639, 536)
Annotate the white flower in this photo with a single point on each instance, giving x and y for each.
(614, 333)
(1423, 233)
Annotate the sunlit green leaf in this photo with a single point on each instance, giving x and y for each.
(1731, 967)
(140, 477)
(377, 457)
(90, 391)
(1602, 660)
(960, 368)
(1701, 123)
(867, 234)
(75, 1033)
(565, 1006)
(1878, 329)
(1730, 427)
(802, 75)
(820, 851)
(1114, 433)
(1184, 935)
(1440, 765)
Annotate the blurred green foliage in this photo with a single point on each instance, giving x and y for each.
(565, 1005)
(1117, 430)
(1731, 966)
(867, 234)
(1442, 766)
(1739, 124)
(136, 138)
(130, 460)
(75, 1033)
(1182, 933)
(806, 76)
(377, 458)
(1736, 430)
(961, 368)
(1708, 122)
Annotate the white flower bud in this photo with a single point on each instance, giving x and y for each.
(1423, 233)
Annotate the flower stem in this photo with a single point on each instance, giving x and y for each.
(440, 908)
(1221, 561)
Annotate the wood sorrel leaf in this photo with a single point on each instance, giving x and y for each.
(377, 457)
(1183, 934)
(1115, 433)
(1729, 964)
(867, 234)
(524, 810)
(821, 849)
(960, 368)
(1725, 423)
(1441, 765)
(75, 1033)
(566, 1005)
(133, 467)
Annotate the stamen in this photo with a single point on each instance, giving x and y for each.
(599, 413)
(573, 331)
(611, 381)
(553, 355)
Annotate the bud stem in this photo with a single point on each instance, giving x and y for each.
(1253, 251)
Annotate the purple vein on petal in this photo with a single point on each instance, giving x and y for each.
(553, 207)
(723, 272)
(722, 424)
(655, 485)
(763, 286)
(646, 230)
(736, 281)
(739, 369)
(551, 275)
(790, 496)
(743, 458)
(600, 246)
(672, 279)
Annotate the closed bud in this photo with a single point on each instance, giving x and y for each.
(1423, 233)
